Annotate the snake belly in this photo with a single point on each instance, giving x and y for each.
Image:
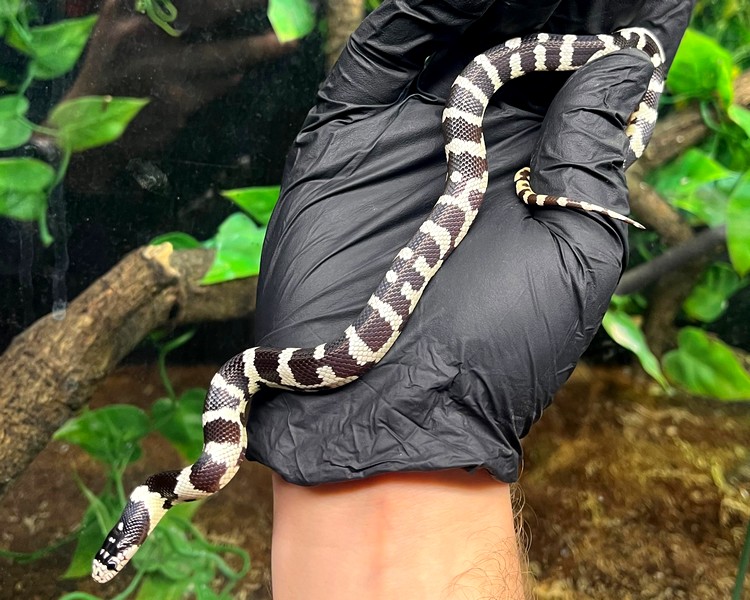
(381, 321)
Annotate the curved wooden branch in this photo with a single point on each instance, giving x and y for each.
(344, 16)
(51, 369)
(656, 213)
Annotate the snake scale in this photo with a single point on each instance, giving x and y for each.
(381, 321)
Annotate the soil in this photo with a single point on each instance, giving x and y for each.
(628, 495)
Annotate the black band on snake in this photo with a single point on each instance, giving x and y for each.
(381, 321)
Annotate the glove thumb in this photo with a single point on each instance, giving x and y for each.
(582, 146)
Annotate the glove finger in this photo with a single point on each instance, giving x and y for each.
(582, 146)
(390, 47)
(501, 22)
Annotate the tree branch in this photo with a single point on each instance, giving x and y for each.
(344, 16)
(708, 242)
(51, 369)
(656, 213)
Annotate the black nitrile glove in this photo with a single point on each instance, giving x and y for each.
(502, 324)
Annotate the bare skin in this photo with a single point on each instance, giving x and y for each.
(444, 535)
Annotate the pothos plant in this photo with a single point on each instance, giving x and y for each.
(49, 52)
(710, 186)
(177, 560)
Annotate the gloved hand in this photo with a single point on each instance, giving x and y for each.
(504, 321)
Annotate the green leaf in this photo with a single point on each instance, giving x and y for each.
(110, 434)
(181, 422)
(741, 116)
(177, 552)
(258, 202)
(24, 184)
(100, 514)
(708, 206)
(89, 541)
(163, 588)
(685, 182)
(179, 240)
(164, 553)
(9, 8)
(93, 121)
(738, 225)
(104, 507)
(706, 366)
(683, 176)
(238, 244)
(14, 129)
(204, 592)
(55, 48)
(624, 330)
(702, 69)
(167, 551)
(181, 512)
(710, 297)
(291, 19)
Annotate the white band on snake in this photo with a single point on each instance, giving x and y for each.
(381, 321)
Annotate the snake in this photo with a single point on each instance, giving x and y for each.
(369, 337)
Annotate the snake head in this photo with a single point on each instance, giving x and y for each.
(122, 542)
